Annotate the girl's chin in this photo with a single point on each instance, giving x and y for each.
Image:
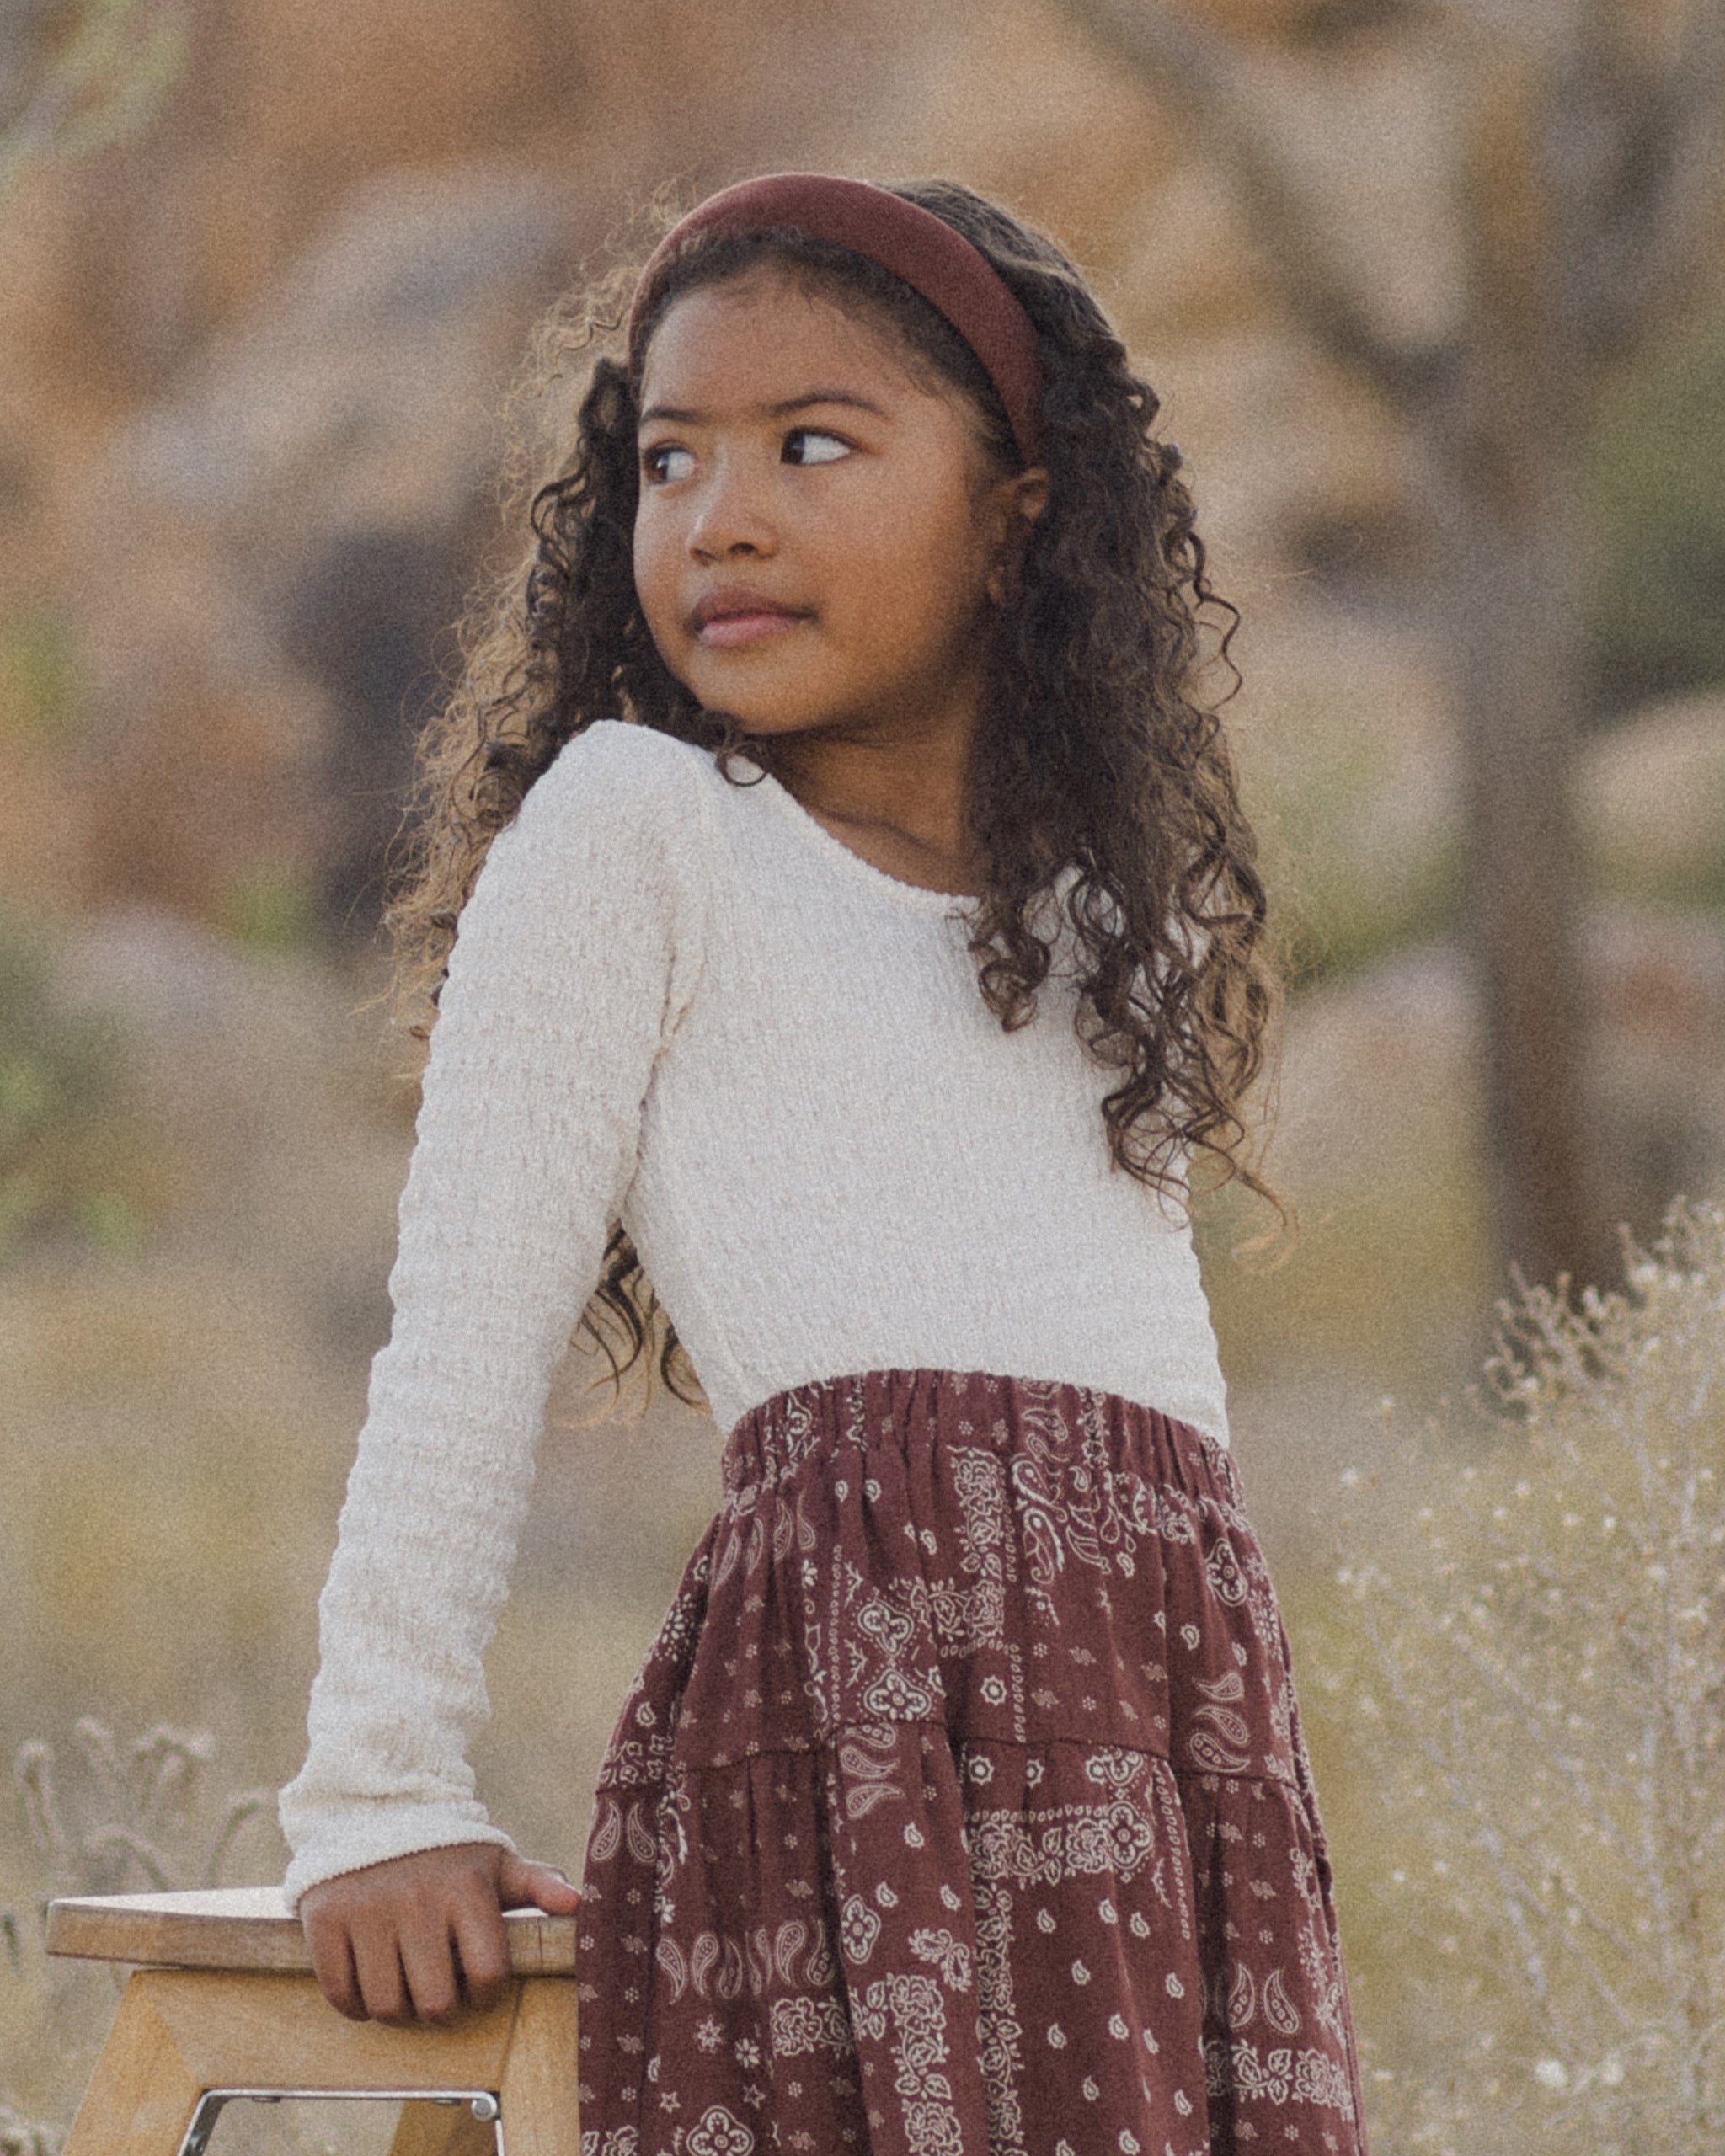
(776, 715)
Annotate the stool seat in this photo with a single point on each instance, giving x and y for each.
(250, 1928)
(222, 2004)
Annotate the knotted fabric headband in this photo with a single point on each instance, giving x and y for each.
(952, 275)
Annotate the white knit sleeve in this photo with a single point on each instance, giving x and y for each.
(575, 954)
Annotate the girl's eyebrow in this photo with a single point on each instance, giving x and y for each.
(682, 417)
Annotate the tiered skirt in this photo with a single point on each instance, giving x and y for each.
(961, 1806)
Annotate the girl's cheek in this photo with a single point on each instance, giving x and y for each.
(650, 566)
(659, 608)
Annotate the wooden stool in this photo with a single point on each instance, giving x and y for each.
(228, 2008)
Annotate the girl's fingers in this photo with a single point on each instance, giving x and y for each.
(481, 1950)
(426, 1956)
(383, 1984)
(332, 1964)
(522, 1885)
(421, 1938)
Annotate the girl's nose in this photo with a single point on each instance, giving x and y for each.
(730, 516)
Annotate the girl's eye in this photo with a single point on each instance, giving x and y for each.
(654, 462)
(815, 447)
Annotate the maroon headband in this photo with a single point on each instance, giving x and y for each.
(911, 242)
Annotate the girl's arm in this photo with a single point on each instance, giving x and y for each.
(576, 954)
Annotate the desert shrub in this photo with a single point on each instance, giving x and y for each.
(104, 1815)
(1525, 1670)
(23, 2136)
(73, 1166)
(131, 1817)
(1655, 488)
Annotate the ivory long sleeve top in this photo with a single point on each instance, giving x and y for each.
(683, 1003)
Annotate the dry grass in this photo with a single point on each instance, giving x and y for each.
(1520, 1689)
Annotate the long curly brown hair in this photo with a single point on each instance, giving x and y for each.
(1095, 752)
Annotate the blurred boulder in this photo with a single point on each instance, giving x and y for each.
(367, 622)
(1659, 1056)
(365, 387)
(306, 505)
(279, 1091)
(1653, 800)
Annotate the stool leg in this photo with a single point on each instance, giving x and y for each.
(442, 2130)
(540, 2115)
(142, 2095)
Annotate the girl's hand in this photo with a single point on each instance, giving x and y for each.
(420, 1938)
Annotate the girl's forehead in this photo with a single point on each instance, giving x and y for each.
(756, 337)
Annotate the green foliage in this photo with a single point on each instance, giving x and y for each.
(38, 675)
(69, 1161)
(1339, 929)
(1655, 491)
(1523, 1683)
(1345, 900)
(270, 908)
(1360, 861)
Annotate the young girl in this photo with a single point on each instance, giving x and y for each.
(867, 941)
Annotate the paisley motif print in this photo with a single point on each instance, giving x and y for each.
(961, 1807)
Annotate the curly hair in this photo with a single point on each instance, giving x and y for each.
(1094, 753)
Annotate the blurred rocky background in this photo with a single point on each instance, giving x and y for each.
(1433, 298)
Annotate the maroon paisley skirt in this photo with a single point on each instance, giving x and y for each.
(961, 1807)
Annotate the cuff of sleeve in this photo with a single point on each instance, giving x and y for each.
(362, 1837)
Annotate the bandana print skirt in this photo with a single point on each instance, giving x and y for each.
(961, 1807)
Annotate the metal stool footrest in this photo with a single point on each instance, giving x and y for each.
(481, 2102)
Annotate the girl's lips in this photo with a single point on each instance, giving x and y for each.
(726, 630)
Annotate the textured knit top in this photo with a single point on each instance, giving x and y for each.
(684, 1004)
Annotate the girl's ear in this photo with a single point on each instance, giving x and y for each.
(1018, 502)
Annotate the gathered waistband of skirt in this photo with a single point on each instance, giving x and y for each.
(912, 1409)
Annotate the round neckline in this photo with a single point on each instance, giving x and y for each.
(923, 897)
